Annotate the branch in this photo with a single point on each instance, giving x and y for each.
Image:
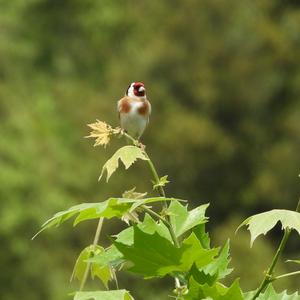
(269, 274)
(162, 193)
(88, 265)
(286, 275)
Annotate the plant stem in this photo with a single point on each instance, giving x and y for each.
(166, 221)
(150, 163)
(168, 225)
(162, 193)
(161, 190)
(88, 265)
(268, 276)
(286, 275)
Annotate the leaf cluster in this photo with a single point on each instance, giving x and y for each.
(171, 243)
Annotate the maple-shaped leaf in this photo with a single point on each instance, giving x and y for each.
(219, 266)
(153, 255)
(103, 272)
(201, 277)
(104, 295)
(113, 257)
(162, 182)
(132, 194)
(110, 257)
(112, 207)
(127, 154)
(263, 222)
(217, 291)
(271, 294)
(183, 220)
(194, 253)
(101, 132)
(202, 235)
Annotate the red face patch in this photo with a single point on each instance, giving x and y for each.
(137, 89)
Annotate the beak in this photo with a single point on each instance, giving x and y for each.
(141, 89)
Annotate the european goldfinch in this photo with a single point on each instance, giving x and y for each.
(134, 110)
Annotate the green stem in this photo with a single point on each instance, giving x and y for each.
(88, 265)
(268, 276)
(168, 225)
(150, 163)
(286, 275)
(162, 193)
(161, 190)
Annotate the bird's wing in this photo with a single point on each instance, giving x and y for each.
(124, 105)
(149, 105)
(149, 110)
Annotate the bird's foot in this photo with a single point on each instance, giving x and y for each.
(140, 145)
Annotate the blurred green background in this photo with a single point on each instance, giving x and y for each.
(223, 78)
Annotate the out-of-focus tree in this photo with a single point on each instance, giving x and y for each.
(223, 78)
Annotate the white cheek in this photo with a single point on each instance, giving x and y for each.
(130, 92)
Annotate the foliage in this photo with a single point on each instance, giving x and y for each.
(173, 244)
(216, 291)
(127, 154)
(262, 223)
(97, 270)
(111, 295)
(270, 293)
(113, 207)
(183, 220)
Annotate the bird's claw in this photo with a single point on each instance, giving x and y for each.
(140, 145)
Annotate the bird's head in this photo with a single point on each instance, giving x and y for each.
(136, 89)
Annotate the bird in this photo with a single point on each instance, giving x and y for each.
(134, 110)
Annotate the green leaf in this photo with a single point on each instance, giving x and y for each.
(127, 154)
(202, 236)
(263, 222)
(110, 257)
(153, 255)
(183, 220)
(194, 253)
(270, 294)
(201, 277)
(149, 225)
(215, 292)
(140, 202)
(162, 182)
(219, 266)
(105, 295)
(132, 194)
(113, 207)
(80, 264)
(113, 257)
(102, 272)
